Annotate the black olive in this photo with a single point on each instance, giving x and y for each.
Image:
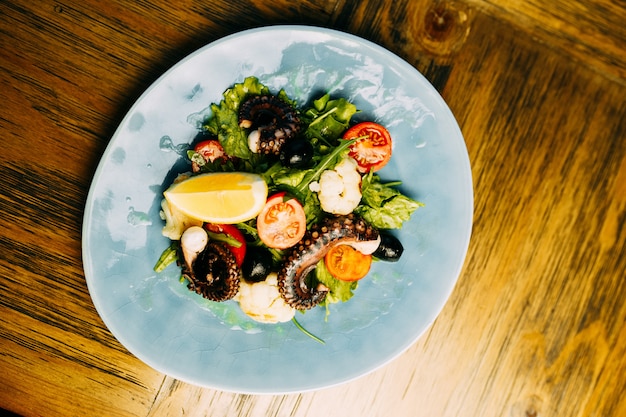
(257, 264)
(296, 153)
(390, 248)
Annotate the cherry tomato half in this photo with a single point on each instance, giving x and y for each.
(231, 231)
(282, 222)
(346, 263)
(210, 150)
(373, 150)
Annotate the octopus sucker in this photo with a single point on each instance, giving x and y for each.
(294, 284)
(214, 274)
(272, 121)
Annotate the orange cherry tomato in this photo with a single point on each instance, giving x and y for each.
(231, 231)
(372, 149)
(346, 263)
(282, 222)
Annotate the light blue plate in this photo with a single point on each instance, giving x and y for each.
(213, 344)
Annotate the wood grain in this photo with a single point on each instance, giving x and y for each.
(590, 32)
(536, 323)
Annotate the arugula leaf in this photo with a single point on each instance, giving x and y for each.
(383, 206)
(306, 332)
(328, 162)
(223, 237)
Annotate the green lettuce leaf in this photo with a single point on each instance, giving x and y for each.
(382, 205)
(339, 291)
(224, 121)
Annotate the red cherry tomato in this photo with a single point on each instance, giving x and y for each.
(231, 231)
(346, 263)
(282, 222)
(372, 149)
(211, 150)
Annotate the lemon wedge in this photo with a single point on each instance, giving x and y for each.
(220, 197)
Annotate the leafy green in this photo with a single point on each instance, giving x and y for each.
(224, 122)
(327, 119)
(306, 332)
(383, 206)
(168, 256)
(324, 121)
(283, 176)
(223, 237)
(313, 210)
(328, 162)
(339, 291)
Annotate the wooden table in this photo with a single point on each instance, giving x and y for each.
(536, 323)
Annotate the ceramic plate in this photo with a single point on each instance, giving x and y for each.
(213, 344)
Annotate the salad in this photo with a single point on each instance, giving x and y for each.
(282, 209)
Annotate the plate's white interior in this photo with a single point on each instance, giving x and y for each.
(156, 318)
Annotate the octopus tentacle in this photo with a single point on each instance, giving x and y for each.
(214, 274)
(293, 284)
(273, 122)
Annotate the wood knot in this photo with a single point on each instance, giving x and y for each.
(527, 407)
(439, 22)
(443, 27)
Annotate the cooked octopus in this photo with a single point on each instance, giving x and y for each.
(214, 273)
(296, 288)
(272, 121)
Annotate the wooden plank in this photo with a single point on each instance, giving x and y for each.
(591, 32)
(535, 325)
(55, 371)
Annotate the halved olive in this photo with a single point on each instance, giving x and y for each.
(390, 248)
